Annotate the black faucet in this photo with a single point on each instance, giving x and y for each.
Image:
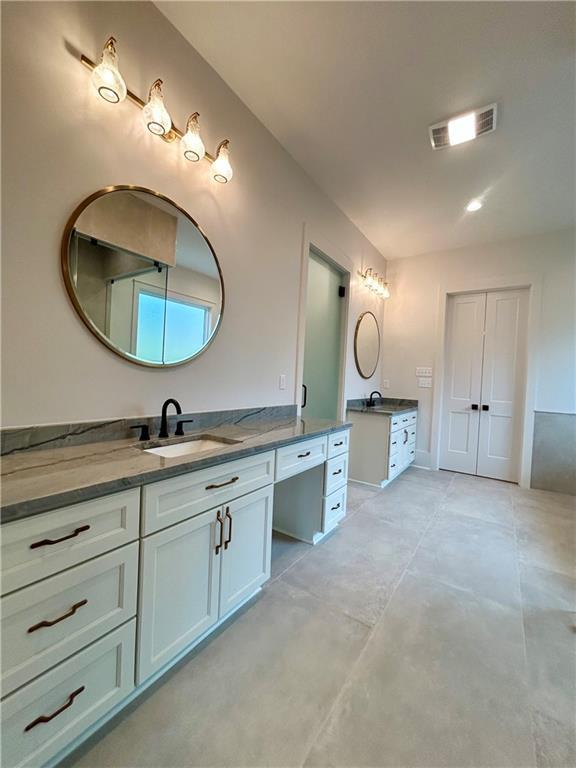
(370, 403)
(164, 422)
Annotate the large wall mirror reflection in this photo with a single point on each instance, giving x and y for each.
(142, 276)
(367, 344)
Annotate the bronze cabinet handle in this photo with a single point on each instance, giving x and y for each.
(303, 455)
(336, 507)
(47, 718)
(221, 485)
(66, 615)
(337, 445)
(405, 437)
(229, 539)
(219, 520)
(47, 542)
(392, 466)
(338, 472)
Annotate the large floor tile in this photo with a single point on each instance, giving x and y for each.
(285, 552)
(440, 683)
(555, 742)
(435, 479)
(403, 513)
(254, 696)
(414, 492)
(549, 608)
(547, 499)
(550, 545)
(470, 554)
(484, 506)
(358, 493)
(356, 569)
(477, 484)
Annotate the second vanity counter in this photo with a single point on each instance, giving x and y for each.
(41, 480)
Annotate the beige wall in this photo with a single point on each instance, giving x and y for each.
(411, 316)
(61, 143)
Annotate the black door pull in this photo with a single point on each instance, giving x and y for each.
(474, 406)
(305, 395)
(485, 407)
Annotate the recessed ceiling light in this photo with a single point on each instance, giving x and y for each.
(474, 205)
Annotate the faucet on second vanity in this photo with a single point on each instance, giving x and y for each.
(370, 403)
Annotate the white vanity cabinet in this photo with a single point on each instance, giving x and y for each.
(382, 445)
(193, 574)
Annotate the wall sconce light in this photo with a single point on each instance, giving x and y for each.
(194, 149)
(106, 77)
(110, 85)
(375, 283)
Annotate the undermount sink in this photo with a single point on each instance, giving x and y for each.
(190, 447)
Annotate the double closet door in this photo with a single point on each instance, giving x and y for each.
(484, 384)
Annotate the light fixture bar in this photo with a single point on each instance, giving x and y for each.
(171, 135)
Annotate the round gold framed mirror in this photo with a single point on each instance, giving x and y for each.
(367, 344)
(142, 276)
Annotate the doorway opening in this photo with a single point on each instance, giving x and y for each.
(484, 383)
(325, 308)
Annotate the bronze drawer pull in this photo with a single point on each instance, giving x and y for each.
(303, 455)
(47, 718)
(221, 485)
(47, 542)
(336, 507)
(337, 445)
(220, 543)
(404, 421)
(392, 466)
(66, 615)
(394, 443)
(338, 472)
(406, 437)
(229, 539)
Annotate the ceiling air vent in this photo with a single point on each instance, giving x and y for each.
(463, 127)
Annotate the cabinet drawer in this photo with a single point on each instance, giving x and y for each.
(411, 453)
(171, 501)
(77, 606)
(395, 443)
(335, 473)
(42, 718)
(395, 465)
(338, 442)
(42, 545)
(403, 420)
(300, 456)
(334, 509)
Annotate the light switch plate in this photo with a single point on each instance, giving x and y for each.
(386, 384)
(425, 382)
(424, 371)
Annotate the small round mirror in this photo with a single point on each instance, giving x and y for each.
(367, 344)
(142, 276)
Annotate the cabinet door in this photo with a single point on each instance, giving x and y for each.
(248, 541)
(179, 574)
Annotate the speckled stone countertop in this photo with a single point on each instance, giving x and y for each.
(38, 481)
(385, 406)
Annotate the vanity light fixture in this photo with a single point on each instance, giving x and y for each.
(156, 117)
(194, 149)
(106, 77)
(375, 283)
(110, 85)
(221, 169)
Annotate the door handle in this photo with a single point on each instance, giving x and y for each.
(474, 406)
(485, 407)
(221, 541)
(229, 539)
(305, 395)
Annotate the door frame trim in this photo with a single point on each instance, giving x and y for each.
(532, 281)
(327, 250)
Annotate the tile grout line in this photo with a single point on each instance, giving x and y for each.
(338, 697)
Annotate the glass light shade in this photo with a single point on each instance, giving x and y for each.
(474, 205)
(156, 117)
(193, 146)
(221, 169)
(106, 77)
(385, 291)
(462, 129)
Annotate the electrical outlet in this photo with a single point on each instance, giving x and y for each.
(386, 384)
(282, 381)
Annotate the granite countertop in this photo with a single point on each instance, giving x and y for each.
(384, 406)
(41, 480)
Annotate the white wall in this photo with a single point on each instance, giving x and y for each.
(411, 316)
(61, 143)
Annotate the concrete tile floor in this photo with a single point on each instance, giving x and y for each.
(435, 627)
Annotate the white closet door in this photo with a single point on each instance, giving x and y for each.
(503, 385)
(463, 375)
